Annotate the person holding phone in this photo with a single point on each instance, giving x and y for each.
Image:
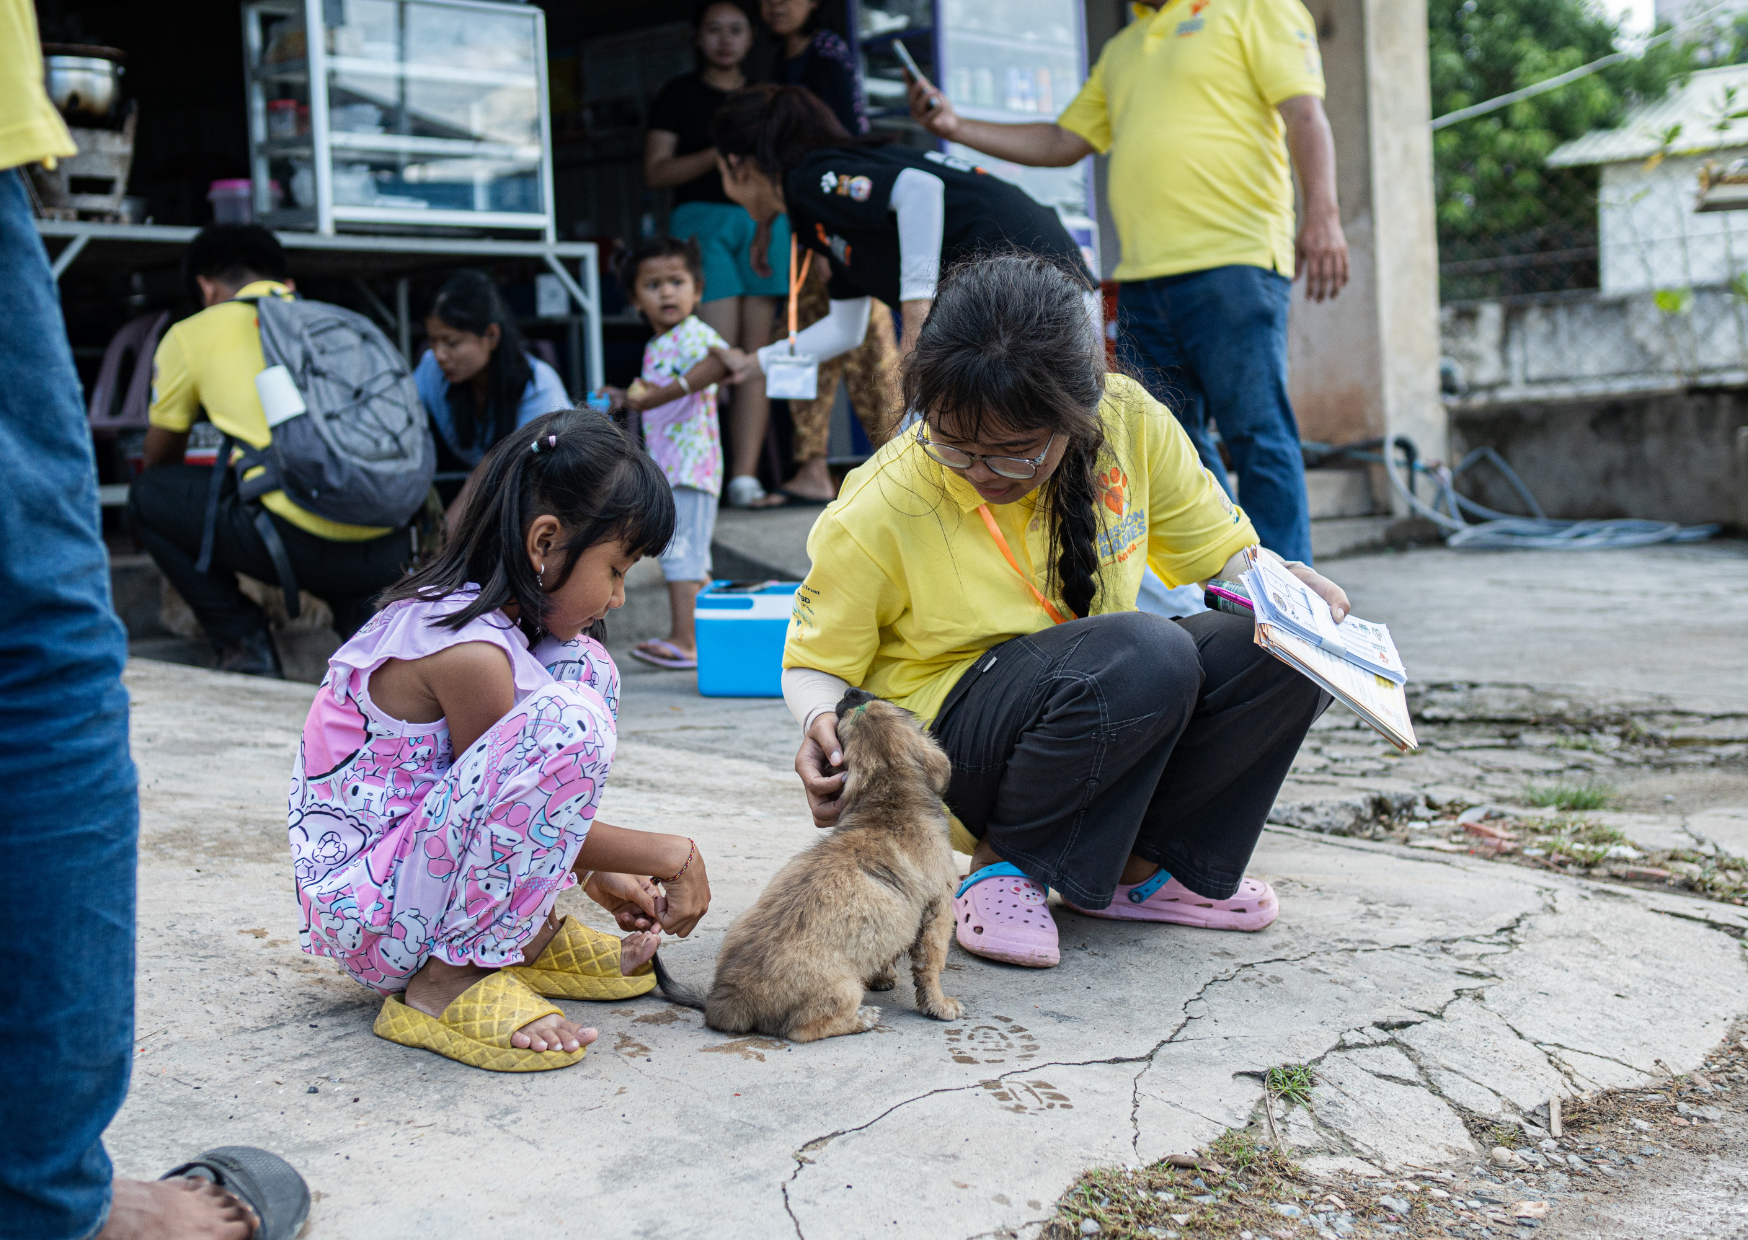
(1205, 112)
(887, 219)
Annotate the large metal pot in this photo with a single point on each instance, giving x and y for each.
(82, 85)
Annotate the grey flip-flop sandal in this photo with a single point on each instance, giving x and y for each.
(266, 1183)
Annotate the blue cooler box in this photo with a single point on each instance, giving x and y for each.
(740, 638)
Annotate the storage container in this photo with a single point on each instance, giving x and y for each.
(741, 627)
(399, 115)
(232, 201)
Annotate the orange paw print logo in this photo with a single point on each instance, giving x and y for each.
(1115, 484)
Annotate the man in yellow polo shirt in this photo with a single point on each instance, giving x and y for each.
(1198, 103)
(210, 362)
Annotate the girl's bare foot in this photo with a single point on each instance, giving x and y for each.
(179, 1209)
(637, 948)
(438, 984)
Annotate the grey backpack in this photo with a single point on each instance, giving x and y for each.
(359, 453)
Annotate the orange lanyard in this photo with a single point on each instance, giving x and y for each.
(1007, 554)
(797, 277)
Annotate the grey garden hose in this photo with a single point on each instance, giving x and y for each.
(1500, 530)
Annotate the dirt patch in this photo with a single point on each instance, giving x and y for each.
(1641, 1164)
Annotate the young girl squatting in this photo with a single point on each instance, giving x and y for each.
(450, 769)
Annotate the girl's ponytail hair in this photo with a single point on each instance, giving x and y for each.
(576, 465)
(776, 127)
(1011, 342)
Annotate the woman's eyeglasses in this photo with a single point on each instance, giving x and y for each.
(1019, 467)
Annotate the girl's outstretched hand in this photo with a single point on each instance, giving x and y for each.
(741, 365)
(631, 898)
(687, 899)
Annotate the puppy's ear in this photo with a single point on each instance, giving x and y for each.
(937, 769)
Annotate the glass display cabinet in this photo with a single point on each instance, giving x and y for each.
(1017, 61)
(399, 115)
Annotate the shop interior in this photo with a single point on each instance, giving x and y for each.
(182, 102)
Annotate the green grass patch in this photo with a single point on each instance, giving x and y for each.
(1291, 1082)
(1569, 796)
(1510, 1138)
(1727, 882)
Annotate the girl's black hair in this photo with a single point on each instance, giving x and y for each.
(1009, 343)
(626, 262)
(704, 6)
(776, 127)
(588, 473)
(468, 301)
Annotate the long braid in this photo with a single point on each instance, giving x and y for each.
(1074, 507)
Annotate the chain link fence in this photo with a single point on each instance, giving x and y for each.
(1623, 284)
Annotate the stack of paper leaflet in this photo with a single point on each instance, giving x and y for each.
(1354, 661)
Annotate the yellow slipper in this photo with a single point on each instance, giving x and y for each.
(581, 963)
(475, 1029)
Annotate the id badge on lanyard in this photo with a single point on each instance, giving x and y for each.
(793, 375)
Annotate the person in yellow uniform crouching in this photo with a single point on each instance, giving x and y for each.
(210, 362)
(981, 570)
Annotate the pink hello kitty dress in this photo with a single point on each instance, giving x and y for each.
(401, 848)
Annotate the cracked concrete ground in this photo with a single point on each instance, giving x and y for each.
(1427, 988)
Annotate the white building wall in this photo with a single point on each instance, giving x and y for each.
(1651, 237)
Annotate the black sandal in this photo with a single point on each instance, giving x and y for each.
(264, 1182)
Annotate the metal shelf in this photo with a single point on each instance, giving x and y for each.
(129, 246)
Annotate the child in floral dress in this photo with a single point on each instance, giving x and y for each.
(676, 394)
(451, 765)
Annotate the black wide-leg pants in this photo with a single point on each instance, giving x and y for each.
(1122, 734)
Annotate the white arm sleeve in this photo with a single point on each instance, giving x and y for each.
(919, 199)
(838, 332)
(809, 693)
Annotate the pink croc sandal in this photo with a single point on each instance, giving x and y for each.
(1000, 913)
(1163, 898)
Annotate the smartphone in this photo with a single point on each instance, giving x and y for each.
(910, 67)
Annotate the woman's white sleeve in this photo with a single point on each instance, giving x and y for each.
(919, 199)
(841, 330)
(809, 693)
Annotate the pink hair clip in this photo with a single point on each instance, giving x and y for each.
(551, 443)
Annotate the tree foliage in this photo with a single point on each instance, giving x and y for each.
(1496, 197)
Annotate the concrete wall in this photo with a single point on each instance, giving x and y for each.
(1672, 456)
(1563, 346)
(1366, 364)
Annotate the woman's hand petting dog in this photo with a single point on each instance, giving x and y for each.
(631, 898)
(821, 755)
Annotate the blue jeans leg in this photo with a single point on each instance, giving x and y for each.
(1216, 341)
(71, 823)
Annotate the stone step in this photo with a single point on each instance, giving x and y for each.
(1338, 493)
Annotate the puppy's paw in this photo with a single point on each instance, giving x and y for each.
(948, 1008)
(867, 1018)
(886, 979)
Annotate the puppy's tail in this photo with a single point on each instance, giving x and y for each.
(673, 991)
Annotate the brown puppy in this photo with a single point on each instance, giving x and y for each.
(838, 917)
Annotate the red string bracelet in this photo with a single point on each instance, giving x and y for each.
(684, 868)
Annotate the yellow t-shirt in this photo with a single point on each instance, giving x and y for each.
(210, 361)
(908, 587)
(1184, 101)
(31, 131)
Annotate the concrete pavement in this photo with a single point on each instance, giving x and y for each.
(1431, 990)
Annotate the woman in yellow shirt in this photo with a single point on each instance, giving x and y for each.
(982, 569)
